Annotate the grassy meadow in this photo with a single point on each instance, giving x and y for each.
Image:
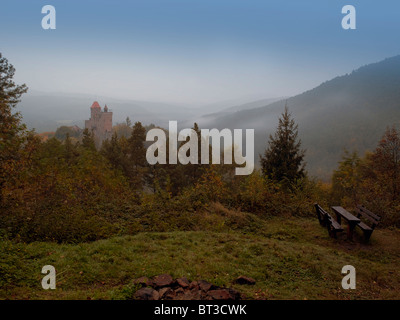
(290, 258)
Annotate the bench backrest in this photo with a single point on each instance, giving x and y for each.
(322, 214)
(368, 215)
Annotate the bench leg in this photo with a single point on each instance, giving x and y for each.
(350, 229)
(367, 235)
(328, 226)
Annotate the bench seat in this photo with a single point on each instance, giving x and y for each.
(364, 227)
(336, 225)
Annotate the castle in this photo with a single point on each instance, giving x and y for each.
(100, 123)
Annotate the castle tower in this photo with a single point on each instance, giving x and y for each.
(100, 123)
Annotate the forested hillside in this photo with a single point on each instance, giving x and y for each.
(350, 111)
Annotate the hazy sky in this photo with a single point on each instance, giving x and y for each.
(193, 51)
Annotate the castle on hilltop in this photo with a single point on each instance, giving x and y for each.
(100, 123)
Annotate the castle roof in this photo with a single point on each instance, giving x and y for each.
(95, 105)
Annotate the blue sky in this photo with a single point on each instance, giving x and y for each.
(193, 51)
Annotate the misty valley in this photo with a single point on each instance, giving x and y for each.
(214, 151)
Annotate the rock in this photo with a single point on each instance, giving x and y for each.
(191, 295)
(234, 294)
(220, 294)
(164, 287)
(163, 280)
(196, 294)
(147, 294)
(193, 285)
(179, 291)
(204, 285)
(156, 295)
(163, 292)
(245, 280)
(143, 281)
(183, 282)
(171, 295)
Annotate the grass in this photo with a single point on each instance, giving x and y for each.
(291, 259)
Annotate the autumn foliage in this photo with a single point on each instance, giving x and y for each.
(63, 189)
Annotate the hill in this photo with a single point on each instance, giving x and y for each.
(208, 118)
(350, 111)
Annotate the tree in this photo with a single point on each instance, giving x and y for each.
(137, 155)
(346, 180)
(136, 145)
(113, 151)
(71, 152)
(62, 132)
(13, 133)
(283, 159)
(88, 140)
(193, 172)
(386, 159)
(122, 130)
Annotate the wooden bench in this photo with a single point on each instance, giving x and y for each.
(370, 217)
(326, 220)
(352, 221)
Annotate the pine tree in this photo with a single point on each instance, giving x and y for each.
(137, 156)
(283, 160)
(88, 140)
(71, 152)
(136, 146)
(112, 150)
(13, 133)
(193, 172)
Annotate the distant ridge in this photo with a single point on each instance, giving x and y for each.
(349, 111)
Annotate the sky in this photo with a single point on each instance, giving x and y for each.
(193, 52)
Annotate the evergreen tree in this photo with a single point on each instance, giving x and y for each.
(137, 155)
(113, 151)
(71, 152)
(283, 160)
(13, 133)
(88, 140)
(193, 172)
(136, 146)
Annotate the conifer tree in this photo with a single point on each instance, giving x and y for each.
(12, 132)
(71, 152)
(112, 150)
(88, 140)
(136, 146)
(193, 172)
(137, 156)
(283, 160)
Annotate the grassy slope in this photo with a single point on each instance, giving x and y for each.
(292, 260)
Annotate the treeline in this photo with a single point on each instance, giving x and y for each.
(65, 190)
(373, 179)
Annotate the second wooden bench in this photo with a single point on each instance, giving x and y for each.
(326, 220)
